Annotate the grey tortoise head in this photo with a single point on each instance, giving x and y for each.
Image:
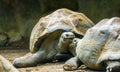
(67, 36)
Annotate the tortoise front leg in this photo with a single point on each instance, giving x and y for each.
(62, 56)
(30, 59)
(72, 64)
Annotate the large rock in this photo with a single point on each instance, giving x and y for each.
(3, 39)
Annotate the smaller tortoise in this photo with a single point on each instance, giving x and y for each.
(46, 33)
(99, 49)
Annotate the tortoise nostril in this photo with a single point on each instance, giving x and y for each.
(67, 35)
(102, 32)
(80, 19)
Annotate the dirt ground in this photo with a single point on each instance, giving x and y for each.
(11, 54)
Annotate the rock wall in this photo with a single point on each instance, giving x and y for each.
(18, 17)
(99, 9)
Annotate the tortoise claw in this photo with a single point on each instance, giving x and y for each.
(113, 66)
(69, 67)
(109, 69)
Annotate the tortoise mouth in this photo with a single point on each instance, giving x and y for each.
(71, 37)
(68, 39)
(78, 35)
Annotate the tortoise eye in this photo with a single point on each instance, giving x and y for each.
(80, 19)
(74, 41)
(102, 32)
(62, 36)
(67, 35)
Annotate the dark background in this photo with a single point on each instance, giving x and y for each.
(18, 17)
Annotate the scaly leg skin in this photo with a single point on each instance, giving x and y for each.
(113, 66)
(29, 60)
(62, 57)
(72, 64)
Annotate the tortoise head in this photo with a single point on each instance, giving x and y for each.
(67, 37)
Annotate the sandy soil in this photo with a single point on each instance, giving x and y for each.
(11, 54)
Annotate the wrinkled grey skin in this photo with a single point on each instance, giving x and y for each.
(64, 42)
(99, 49)
(67, 46)
(62, 48)
(65, 39)
(73, 45)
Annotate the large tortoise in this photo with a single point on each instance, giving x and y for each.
(46, 33)
(99, 49)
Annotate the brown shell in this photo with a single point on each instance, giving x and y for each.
(62, 19)
(111, 49)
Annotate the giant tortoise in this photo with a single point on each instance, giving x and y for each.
(46, 33)
(99, 49)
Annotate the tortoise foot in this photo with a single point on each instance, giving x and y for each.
(70, 67)
(113, 66)
(72, 64)
(25, 61)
